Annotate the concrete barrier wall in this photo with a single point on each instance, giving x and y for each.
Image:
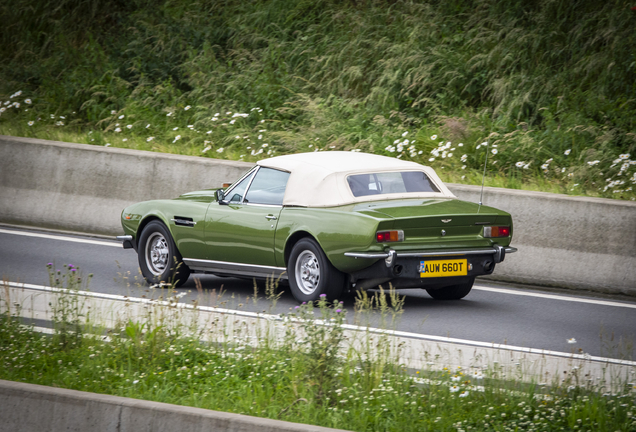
(566, 241)
(30, 407)
(84, 188)
(563, 241)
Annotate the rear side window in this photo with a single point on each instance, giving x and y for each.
(268, 187)
(389, 183)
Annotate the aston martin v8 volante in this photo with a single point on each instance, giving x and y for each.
(327, 222)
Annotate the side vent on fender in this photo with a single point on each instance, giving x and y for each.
(183, 221)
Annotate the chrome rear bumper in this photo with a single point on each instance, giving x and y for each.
(499, 252)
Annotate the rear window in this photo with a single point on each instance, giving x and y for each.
(390, 183)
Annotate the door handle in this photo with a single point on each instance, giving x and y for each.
(270, 217)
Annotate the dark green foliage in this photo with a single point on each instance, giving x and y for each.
(549, 67)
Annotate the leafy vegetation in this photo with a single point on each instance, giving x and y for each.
(313, 375)
(550, 85)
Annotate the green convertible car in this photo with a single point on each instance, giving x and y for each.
(327, 222)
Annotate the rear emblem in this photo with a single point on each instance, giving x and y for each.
(446, 220)
(443, 233)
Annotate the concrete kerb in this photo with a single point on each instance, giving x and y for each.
(30, 407)
(414, 351)
(564, 241)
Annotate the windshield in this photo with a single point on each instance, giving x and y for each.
(390, 183)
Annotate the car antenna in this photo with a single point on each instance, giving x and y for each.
(483, 178)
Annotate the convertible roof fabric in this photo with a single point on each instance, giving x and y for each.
(319, 179)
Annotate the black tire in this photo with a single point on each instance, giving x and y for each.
(311, 274)
(452, 292)
(159, 259)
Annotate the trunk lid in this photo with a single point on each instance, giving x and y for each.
(439, 222)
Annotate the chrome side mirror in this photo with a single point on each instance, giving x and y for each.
(220, 196)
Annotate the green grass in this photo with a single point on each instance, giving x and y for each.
(536, 79)
(310, 376)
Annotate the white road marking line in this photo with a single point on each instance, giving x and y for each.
(347, 326)
(555, 297)
(63, 238)
(477, 287)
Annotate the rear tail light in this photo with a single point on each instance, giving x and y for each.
(496, 231)
(389, 236)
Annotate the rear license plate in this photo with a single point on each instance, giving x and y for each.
(443, 268)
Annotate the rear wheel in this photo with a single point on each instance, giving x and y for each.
(311, 274)
(159, 259)
(452, 292)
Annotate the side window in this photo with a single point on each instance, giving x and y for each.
(268, 187)
(235, 195)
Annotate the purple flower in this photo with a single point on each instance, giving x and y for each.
(323, 295)
(338, 310)
(296, 307)
(70, 266)
(73, 270)
(49, 265)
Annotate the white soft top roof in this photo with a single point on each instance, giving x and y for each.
(319, 179)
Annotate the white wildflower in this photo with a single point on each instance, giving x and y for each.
(121, 117)
(177, 138)
(433, 137)
(571, 341)
(27, 101)
(129, 126)
(175, 128)
(31, 123)
(148, 125)
(206, 149)
(113, 112)
(494, 151)
(187, 107)
(118, 129)
(567, 152)
(220, 150)
(149, 139)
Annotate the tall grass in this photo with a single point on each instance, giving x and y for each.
(538, 79)
(313, 375)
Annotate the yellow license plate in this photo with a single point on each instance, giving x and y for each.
(443, 268)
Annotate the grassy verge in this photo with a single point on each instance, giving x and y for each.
(549, 85)
(310, 376)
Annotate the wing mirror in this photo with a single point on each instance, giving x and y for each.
(220, 196)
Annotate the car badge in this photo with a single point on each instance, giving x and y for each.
(446, 220)
(443, 233)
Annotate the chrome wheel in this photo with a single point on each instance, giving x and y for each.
(307, 272)
(157, 254)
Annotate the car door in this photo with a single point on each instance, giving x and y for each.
(242, 228)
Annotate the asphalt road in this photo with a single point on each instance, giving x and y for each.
(490, 313)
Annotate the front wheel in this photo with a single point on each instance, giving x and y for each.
(453, 292)
(311, 274)
(159, 259)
